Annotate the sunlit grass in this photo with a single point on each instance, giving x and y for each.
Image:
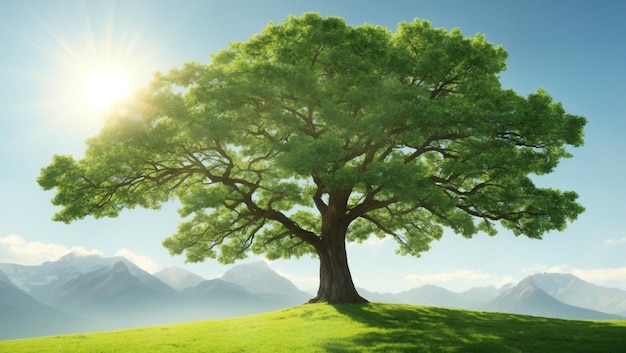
(350, 328)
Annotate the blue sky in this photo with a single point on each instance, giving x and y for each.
(574, 49)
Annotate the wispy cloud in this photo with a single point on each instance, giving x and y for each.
(15, 249)
(143, 262)
(615, 241)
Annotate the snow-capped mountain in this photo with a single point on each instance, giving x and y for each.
(42, 281)
(528, 298)
(114, 289)
(573, 291)
(258, 278)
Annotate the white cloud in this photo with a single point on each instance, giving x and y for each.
(615, 241)
(15, 249)
(143, 262)
(604, 275)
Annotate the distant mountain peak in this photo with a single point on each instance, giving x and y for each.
(258, 277)
(572, 290)
(555, 277)
(250, 269)
(74, 255)
(119, 266)
(529, 298)
(525, 289)
(82, 262)
(178, 278)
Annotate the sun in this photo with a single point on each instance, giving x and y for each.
(104, 87)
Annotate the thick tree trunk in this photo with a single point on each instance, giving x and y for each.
(336, 285)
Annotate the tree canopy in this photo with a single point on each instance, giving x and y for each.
(313, 133)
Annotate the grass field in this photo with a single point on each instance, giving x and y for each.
(349, 328)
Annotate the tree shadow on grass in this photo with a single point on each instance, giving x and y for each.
(403, 328)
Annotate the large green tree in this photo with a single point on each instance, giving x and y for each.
(314, 133)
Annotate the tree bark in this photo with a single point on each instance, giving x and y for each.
(336, 285)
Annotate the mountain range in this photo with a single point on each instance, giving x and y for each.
(92, 293)
(81, 293)
(431, 295)
(556, 295)
(530, 299)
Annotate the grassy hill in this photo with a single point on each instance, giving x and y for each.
(349, 328)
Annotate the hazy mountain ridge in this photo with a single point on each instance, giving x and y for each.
(178, 278)
(571, 290)
(112, 289)
(41, 281)
(432, 295)
(219, 298)
(527, 298)
(24, 316)
(543, 294)
(112, 293)
(258, 278)
(13, 296)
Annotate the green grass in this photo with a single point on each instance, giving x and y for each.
(349, 328)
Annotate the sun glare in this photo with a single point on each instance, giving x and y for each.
(103, 88)
(97, 64)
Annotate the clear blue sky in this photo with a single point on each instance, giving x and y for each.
(574, 49)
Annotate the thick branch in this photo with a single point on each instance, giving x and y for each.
(368, 205)
(427, 147)
(317, 197)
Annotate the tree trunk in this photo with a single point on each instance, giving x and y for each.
(336, 284)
